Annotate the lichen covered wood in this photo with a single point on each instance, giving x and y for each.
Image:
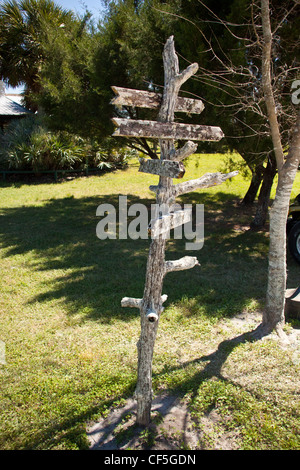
(148, 99)
(168, 167)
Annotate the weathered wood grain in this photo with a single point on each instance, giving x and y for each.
(169, 168)
(166, 130)
(137, 303)
(187, 262)
(131, 302)
(156, 260)
(188, 149)
(209, 179)
(150, 100)
(162, 225)
(205, 181)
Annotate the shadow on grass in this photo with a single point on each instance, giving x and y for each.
(107, 434)
(213, 368)
(90, 276)
(96, 274)
(71, 428)
(112, 432)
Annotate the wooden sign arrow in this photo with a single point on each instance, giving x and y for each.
(169, 168)
(166, 130)
(147, 99)
(162, 225)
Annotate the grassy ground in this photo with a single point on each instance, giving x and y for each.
(71, 349)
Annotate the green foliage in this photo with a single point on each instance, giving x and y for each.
(83, 63)
(106, 155)
(23, 24)
(68, 98)
(220, 37)
(29, 145)
(69, 65)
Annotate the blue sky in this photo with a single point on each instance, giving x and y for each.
(78, 6)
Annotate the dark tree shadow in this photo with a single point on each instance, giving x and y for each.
(213, 368)
(61, 235)
(102, 434)
(95, 274)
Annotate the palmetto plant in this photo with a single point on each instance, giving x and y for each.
(50, 152)
(29, 145)
(23, 27)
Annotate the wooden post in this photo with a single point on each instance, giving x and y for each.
(156, 261)
(168, 167)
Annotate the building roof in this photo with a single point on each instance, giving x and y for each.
(9, 107)
(16, 97)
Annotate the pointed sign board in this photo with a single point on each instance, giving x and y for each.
(147, 99)
(166, 130)
(165, 223)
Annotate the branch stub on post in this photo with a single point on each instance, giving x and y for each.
(169, 168)
(152, 315)
(165, 223)
(187, 262)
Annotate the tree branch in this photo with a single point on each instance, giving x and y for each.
(188, 149)
(187, 262)
(267, 83)
(131, 302)
(205, 181)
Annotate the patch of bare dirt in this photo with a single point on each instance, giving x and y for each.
(171, 428)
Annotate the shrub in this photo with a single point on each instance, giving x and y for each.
(28, 145)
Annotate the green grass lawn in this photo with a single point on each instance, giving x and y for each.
(71, 349)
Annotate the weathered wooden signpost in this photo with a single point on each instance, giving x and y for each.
(168, 167)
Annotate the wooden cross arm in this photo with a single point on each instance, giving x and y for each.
(170, 168)
(187, 73)
(166, 130)
(187, 262)
(148, 99)
(137, 303)
(205, 181)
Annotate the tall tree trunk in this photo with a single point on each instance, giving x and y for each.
(264, 196)
(252, 191)
(273, 316)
